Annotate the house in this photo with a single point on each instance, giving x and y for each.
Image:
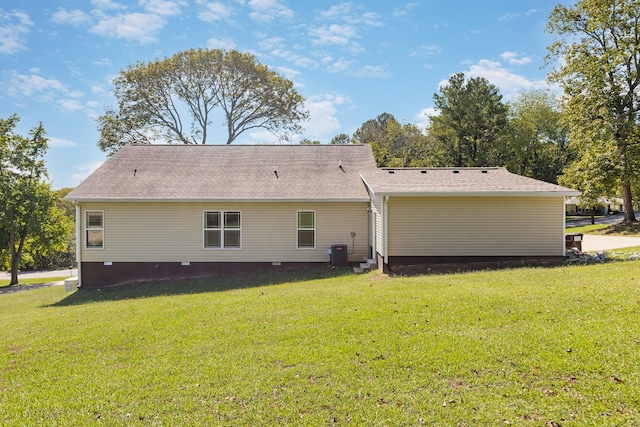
(163, 211)
(574, 206)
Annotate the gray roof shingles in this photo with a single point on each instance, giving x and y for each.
(304, 172)
(457, 181)
(234, 173)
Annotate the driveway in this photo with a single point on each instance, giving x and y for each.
(594, 243)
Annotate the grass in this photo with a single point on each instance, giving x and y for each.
(607, 229)
(30, 281)
(531, 347)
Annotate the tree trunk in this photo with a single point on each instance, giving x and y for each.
(627, 200)
(15, 255)
(593, 216)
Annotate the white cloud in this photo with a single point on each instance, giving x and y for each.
(509, 83)
(422, 118)
(289, 73)
(163, 7)
(340, 66)
(107, 4)
(60, 143)
(133, 26)
(215, 11)
(70, 105)
(344, 12)
(323, 123)
(104, 62)
(373, 71)
(268, 10)
(425, 50)
(28, 84)
(74, 17)
(333, 35)
(14, 27)
(404, 11)
(514, 58)
(220, 44)
(296, 59)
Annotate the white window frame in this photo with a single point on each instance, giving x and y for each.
(298, 228)
(222, 229)
(87, 228)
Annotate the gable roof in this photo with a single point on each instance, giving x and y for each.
(231, 173)
(458, 182)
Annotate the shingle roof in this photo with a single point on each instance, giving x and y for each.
(457, 181)
(230, 172)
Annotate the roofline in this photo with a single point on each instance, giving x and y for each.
(165, 200)
(474, 193)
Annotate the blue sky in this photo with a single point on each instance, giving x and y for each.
(351, 61)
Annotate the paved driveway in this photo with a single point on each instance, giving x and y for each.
(593, 243)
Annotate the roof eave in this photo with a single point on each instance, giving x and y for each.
(475, 193)
(166, 200)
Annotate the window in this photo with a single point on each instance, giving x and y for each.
(306, 229)
(94, 226)
(222, 230)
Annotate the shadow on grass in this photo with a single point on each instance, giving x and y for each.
(194, 286)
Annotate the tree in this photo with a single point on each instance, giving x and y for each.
(307, 141)
(598, 44)
(154, 99)
(341, 139)
(470, 122)
(29, 215)
(393, 144)
(537, 139)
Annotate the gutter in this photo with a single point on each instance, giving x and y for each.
(385, 228)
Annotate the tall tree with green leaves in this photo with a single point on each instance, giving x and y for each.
(394, 144)
(28, 211)
(176, 99)
(598, 48)
(537, 140)
(470, 123)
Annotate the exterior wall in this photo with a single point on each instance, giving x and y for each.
(475, 226)
(376, 208)
(173, 232)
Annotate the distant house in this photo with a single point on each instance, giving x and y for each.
(164, 211)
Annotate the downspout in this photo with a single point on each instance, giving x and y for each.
(79, 242)
(385, 229)
(564, 226)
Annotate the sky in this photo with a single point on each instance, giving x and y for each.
(350, 60)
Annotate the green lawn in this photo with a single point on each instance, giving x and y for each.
(526, 347)
(39, 281)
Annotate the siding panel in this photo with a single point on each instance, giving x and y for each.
(476, 226)
(173, 232)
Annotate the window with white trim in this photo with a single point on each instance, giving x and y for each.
(94, 229)
(306, 229)
(222, 229)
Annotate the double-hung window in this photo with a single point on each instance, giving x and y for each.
(222, 229)
(306, 229)
(94, 226)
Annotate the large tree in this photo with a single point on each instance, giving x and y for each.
(175, 100)
(537, 140)
(598, 48)
(394, 144)
(28, 212)
(470, 121)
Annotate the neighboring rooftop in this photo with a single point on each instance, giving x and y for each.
(456, 182)
(230, 172)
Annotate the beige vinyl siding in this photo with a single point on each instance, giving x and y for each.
(376, 207)
(476, 226)
(173, 232)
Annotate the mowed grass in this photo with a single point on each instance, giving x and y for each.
(32, 281)
(532, 347)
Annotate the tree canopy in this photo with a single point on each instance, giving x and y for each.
(598, 45)
(29, 215)
(175, 100)
(471, 120)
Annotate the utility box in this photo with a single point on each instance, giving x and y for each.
(574, 240)
(339, 256)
